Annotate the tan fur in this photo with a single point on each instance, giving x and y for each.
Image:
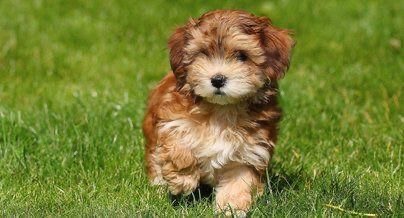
(238, 185)
(194, 135)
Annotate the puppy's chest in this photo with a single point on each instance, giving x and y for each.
(217, 141)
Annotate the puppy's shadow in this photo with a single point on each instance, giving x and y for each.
(201, 194)
(278, 180)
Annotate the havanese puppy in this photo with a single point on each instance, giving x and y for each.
(213, 119)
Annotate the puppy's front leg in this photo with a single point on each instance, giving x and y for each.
(238, 185)
(180, 170)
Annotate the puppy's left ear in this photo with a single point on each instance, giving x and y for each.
(277, 44)
(176, 44)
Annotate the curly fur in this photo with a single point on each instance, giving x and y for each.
(197, 133)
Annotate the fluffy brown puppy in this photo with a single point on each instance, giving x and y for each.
(213, 119)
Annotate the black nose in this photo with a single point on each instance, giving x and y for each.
(218, 80)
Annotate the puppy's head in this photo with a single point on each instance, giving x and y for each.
(226, 57)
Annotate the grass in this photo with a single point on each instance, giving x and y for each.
(74, 76)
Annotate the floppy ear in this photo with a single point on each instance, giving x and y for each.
(277, 44)
(176, 44)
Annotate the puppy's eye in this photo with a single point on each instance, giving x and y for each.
(241, 56)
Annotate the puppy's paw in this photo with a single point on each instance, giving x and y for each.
(230, 212)
(233, 204)
(183, 184)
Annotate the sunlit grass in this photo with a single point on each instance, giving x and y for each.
(74, 77)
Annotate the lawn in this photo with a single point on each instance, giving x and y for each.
(74, 77)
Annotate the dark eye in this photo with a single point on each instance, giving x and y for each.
(241, 56)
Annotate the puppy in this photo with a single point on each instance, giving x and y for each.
(213, 119)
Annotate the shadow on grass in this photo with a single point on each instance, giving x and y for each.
(280, 180)
(277, 182)
(203, 193)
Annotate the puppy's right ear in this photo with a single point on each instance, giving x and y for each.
(176, 44)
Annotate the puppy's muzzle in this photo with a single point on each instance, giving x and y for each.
(218, 80)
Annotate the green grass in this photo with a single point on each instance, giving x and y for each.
(74, 76)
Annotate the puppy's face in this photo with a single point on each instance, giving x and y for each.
(226, 57)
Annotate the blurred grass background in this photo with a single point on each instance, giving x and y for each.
(74, 77)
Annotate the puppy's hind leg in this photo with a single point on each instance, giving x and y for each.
(153, 166)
